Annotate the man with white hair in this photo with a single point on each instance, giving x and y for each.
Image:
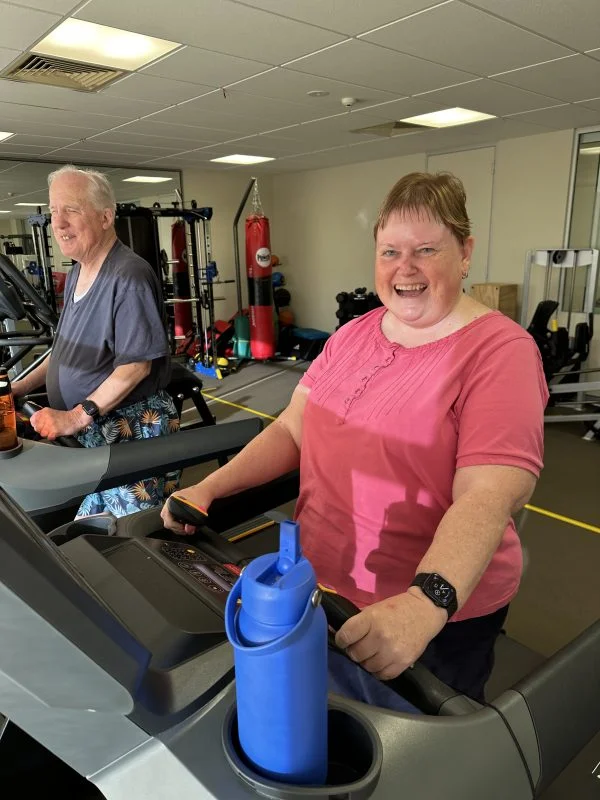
(109, 366)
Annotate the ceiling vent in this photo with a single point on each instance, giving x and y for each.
(51, 71)
(393, 128)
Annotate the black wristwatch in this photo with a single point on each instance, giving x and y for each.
(438, 590)
(90, 408)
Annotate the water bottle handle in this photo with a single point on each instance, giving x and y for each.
(235, 594)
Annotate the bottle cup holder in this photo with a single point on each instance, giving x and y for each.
(354, 754)
(14, 451)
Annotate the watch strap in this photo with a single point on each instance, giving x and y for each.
(422, 578)
(90, 408)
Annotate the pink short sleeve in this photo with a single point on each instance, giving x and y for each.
(501, 409)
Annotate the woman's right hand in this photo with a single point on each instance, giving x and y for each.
(199, 495)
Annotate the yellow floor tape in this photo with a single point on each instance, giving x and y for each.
(561, 518)
(536, 509)
(235, 405)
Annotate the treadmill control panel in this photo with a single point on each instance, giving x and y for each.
(215, 578)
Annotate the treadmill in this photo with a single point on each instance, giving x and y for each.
(114, 657)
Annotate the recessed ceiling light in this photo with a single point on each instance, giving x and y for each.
(99, 44)
(239, 159)
(590, 151)
(4, 135)
(31, 204)
(317, 93)
(448, 117)
(4, 212)
(146, 179)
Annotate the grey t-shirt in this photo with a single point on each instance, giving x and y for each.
(119, 320)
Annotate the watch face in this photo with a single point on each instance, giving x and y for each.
(439, 590)
(90, 408)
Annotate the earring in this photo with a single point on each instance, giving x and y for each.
(464, 275)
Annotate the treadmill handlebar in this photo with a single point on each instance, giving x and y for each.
(416, 684)
(147, 457)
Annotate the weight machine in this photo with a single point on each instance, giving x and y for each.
(138, 228)
(36, 243)
(563, 327)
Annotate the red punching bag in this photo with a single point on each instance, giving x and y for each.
(260, 288)
(181, 281)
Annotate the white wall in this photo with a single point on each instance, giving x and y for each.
(531, 190)
(322, 229)
(475, 168)
(321, 225)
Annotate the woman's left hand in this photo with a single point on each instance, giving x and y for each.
(389, 636)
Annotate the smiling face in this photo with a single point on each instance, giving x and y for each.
(80, 228)
(419, 266)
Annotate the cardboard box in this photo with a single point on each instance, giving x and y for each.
(499, 296)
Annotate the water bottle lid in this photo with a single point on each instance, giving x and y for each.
(275, 588)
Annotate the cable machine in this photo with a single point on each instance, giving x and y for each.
(138, 228)
(43, 252)
(563, 327)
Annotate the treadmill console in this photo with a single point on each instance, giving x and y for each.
(211, 576)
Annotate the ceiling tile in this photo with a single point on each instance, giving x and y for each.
(23, 150)
(467, 39)
(575, 24)
(46, 128)
(93, 146)
(259, 113)
(204, 67)
(406, 107)
(206, 126)
(22, 27)
(54, 6)
(132, 140)
(52, 97)
(364, 151)
(346, 17)
(292, 86)
(148, 87)
(48, 142)
(593, 102)
(335, 131)
(568, 116)
(75, 155)
(487, 132)
(97, 122)
(217, 25)
(153, 127)
(176, 163)
(490, 97)
(7, 56)
(377, 67)
(568, 79)
(260, 146)
(7, 166)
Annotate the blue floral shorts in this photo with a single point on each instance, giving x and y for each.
(154, 416)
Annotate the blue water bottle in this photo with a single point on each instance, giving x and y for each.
(279, 635)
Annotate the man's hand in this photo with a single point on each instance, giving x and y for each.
(199, 495)
(50, 423)
(388, 637)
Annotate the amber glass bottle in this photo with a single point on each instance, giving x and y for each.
(8, 419)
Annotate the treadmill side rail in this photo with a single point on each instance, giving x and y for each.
(563, 698)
